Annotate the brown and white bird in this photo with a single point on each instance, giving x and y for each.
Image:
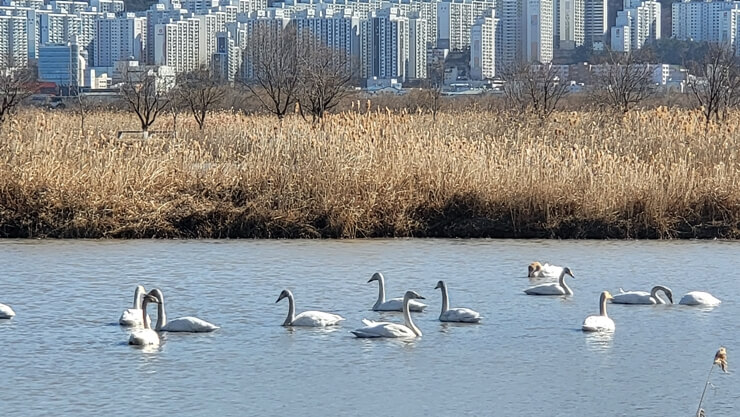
(720, 358)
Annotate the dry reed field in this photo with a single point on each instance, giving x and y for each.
(651, 174)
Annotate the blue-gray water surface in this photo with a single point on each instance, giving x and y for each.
(64, 353)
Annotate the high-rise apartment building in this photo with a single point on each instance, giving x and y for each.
(455, 19)
(180, 45)
(595, 22)
(386, 39)
(537, 37)
(511, 23)
(228, 57)
(13, 40)
(571, 25)
(483, 47)
(119, 38)
(158, 14)
(710, 21)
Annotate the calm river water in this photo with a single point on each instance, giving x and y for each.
(64, 353)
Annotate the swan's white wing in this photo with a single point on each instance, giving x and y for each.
(695, 298)
(6, 312)
(316, 319)
(384, 329)
(144, 337)
(132, 317)
(396, 304)
(633, 297)
(189, 324)
(462, 315)
(598, 324)
(545, 289)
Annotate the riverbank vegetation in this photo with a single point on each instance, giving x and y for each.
(477, 172)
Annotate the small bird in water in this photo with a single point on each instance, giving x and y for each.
(720, 358)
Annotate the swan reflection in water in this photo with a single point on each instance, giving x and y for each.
(599, 341)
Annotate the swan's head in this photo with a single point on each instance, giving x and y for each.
(283, 294)
(150, 298)
(440, 284)
(157, 294)
(607, 295)
(533, 268)
(567, 271)
(413, 295)
(376, 277)
(140, 289)
(667, 291)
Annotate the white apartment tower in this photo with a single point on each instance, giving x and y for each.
(417, 65)
(336, 29)
(710, 21)
(180, 45)
(158, 14)
(228, 57)
(13, 40)
(386, 39)
(119, 38)
(571, 26)
(455, 19)
(537, 42)
(483, 47)
(58, 28)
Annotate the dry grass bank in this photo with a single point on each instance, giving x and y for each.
(469, 174)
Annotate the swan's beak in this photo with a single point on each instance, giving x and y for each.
(150, 298)
(280, 298)
(421, 297)
(371, 280)
(670, 297)
(437, 286)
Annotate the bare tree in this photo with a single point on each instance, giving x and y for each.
(273, 74)
(715, 84)
(534, 87)
(146, 95)
(624, 81)
(433, 87)
(325, 76)
(200, 91)
(15, 86)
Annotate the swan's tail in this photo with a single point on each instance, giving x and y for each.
(367, 322)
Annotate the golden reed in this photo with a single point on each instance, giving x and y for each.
(650, 174)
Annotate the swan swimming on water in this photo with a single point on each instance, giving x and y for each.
(699, 298)
(6, 312)
(538, 270)
(133, 316)
(394, 304)
(602, 322)
(374, 329)
(553, 288)
(643, 297)
(145, 336)
(182, 324)
(460, 315)
(307, 318)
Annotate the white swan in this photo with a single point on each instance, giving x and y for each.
(394, 304)
(182, 324)
(538, 270)
(699, 298)
(145, 336)
(553, 288)
(133, 316)
(643, 297)
(461, 315)
(386, 329)
(602, 322)
(6, 312)
(307, 318)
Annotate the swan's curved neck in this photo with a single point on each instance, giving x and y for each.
(445, 299)
(291, 311)
(561, 282)
(654, 294)
(602, 306)
(381, 292)
(138, 295)
(407, 316)
(144, 318)
(161, 315)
